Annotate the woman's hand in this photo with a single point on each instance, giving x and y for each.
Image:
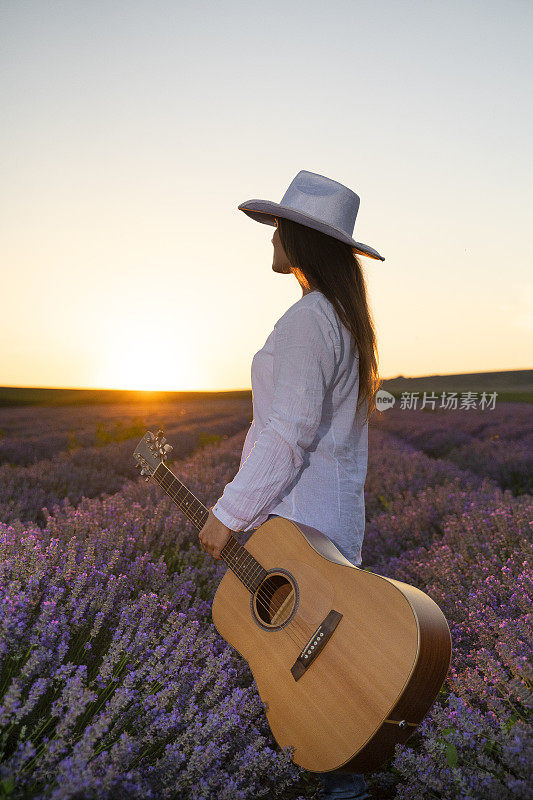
(214, 535)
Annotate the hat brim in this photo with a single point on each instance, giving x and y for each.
(266, 211)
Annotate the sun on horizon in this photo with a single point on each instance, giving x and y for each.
(145, 365)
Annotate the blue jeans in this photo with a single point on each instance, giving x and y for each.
(341, 785)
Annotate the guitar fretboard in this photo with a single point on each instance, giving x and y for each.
(183, 497)
(239, 560)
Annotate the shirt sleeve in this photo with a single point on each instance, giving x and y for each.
(304, 365)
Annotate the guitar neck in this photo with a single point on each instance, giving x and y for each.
(238, 559)
(183, 497)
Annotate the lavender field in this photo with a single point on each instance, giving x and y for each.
(113, 680)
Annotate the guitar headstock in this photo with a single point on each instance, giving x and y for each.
(151, 452)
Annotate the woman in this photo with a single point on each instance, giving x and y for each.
(313, 386)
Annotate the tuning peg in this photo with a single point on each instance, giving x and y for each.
(165, 451)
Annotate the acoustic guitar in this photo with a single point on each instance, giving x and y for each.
(347, 663)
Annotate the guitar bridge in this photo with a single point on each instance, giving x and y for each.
(316, 644)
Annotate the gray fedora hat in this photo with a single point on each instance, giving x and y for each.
(318, 202)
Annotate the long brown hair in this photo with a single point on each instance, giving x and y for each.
(333, 267)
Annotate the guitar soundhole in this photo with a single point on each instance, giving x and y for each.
(275, 600)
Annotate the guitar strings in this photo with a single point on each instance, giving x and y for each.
(263, 599)
(271, 612)
(270, 609)
(261, 596)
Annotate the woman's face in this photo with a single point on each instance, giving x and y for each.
(280, 262)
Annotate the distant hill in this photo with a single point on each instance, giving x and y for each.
(511, 385)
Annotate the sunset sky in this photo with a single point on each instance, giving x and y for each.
(132, 130)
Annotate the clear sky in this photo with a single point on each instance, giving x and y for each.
(132, 129)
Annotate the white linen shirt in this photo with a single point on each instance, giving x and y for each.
(305, 455)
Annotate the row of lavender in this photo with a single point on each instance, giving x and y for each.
(113, 682)
(467, 544)
(28, 483)
(63, 429)
(497, 442)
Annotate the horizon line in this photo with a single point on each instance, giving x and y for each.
(248, 388)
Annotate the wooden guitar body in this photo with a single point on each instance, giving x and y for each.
(347, 662)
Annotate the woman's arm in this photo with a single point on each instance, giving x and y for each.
(305, 345)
